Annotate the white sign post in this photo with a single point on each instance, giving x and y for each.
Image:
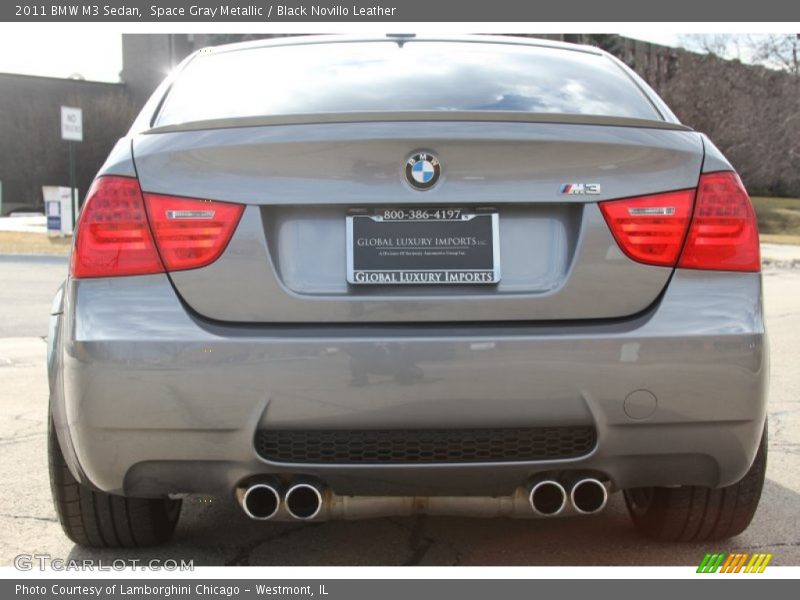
(71, 124)
(72, 131)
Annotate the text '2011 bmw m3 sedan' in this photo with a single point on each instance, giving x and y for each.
(331, 284)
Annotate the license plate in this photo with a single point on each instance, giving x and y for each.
(419, 246)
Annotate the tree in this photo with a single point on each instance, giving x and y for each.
(780, 51)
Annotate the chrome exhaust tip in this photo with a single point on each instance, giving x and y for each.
(303, 501)
(547, 498)
(259, 501)
(589, 496)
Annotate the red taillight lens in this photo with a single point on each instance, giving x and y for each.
(724, 232)
(650, 229)
(191, 233)
(113, 237)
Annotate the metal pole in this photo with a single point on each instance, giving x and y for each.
(73, 199)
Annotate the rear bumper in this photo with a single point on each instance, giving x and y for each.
(149, 400)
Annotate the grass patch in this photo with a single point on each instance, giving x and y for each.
(778, 219)
(768, 238)
(16, 242)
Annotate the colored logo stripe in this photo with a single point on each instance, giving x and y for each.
(758, 563)
(739, 563)
(726, 568)
(703, 564)
(711, 563)
(734, 563)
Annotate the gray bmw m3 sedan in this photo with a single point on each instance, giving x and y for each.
(336, 277)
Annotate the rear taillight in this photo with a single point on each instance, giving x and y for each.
(724, 233)
(650, 229)
(123, 232)
(191, 233)
(113, 236)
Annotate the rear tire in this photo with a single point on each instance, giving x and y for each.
(699, 514)
(100, 520)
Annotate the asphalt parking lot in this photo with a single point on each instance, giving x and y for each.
(217, 533)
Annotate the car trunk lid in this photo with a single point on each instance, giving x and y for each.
(287, 261)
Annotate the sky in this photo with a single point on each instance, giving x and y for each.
(98, 56)
(62, 54)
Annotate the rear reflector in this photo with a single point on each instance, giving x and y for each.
(724, 232)
(114, 236)
(191, 233)
(650, 229)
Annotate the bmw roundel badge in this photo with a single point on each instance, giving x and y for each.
(423, 170)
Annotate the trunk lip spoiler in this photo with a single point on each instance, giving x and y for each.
(410, 116)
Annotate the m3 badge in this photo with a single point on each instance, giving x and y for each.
(580, 189)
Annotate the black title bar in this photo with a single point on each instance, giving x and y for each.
(733, 588)
(398, 11)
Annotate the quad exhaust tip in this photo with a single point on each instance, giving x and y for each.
(260, 501)
(589, 496)
(303, 501)
(547, 498)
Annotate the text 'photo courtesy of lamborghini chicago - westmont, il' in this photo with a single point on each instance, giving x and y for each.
(331, 285)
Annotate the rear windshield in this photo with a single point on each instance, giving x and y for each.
(385, 76)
